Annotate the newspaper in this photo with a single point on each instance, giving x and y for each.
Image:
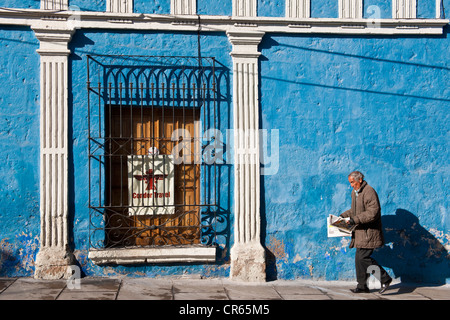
(338, 227)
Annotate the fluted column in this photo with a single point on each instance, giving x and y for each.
(247, 253)
(54, 255)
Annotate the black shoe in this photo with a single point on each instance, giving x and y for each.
(358, 290)
(385, 286)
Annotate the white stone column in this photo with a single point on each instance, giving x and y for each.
(247, 254)
(54, 255)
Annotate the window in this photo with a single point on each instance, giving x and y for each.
(148, 182)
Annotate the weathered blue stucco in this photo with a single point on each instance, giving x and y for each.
(375, 9)
(219, 7)
(87, 5)
(19, 149)
(156, 7)
(324, 9)
(374, 103)
(271, 8)
(21, 4)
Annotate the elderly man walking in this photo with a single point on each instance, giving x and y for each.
(365, 213)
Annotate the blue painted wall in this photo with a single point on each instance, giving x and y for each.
(19, 149)
(22, 4)
(377, 104)
(271, 8)
(324, 9)
(219, 7)
(374, 104)
(88, 5)
(377, 9)
(153, 7)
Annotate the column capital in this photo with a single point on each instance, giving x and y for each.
(245, 43)
(53, 41)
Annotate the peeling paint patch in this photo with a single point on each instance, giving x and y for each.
(311, 268)
(17, 257)
(276, 246)
(344, 243)
(27, 253)
(439, 244)
(298, 258)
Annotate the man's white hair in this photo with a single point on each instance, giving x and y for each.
(356, 175)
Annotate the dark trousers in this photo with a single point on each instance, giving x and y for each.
(363, 261)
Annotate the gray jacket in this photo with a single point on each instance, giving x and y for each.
(366, 213)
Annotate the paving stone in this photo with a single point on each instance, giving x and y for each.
(5, 283)
(145, 289)
(344, 293)
(76, 294)
(251, 292)
(205, 289)
(30, 289)
(402, 294)
(99, 284)
(435, 292)
(196, 286)
(92, 289)
(200, 296)
(294, 290)
(306, 297)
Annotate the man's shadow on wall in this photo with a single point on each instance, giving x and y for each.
(414, 254)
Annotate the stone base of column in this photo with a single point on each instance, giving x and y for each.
(53, 263)
(248, 262)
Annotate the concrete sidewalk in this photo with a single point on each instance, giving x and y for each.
(205, 289)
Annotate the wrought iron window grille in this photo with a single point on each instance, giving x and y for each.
(148, 182)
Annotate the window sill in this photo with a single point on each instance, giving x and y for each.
(153, 255)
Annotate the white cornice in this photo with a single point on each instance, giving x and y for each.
(135, 21)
